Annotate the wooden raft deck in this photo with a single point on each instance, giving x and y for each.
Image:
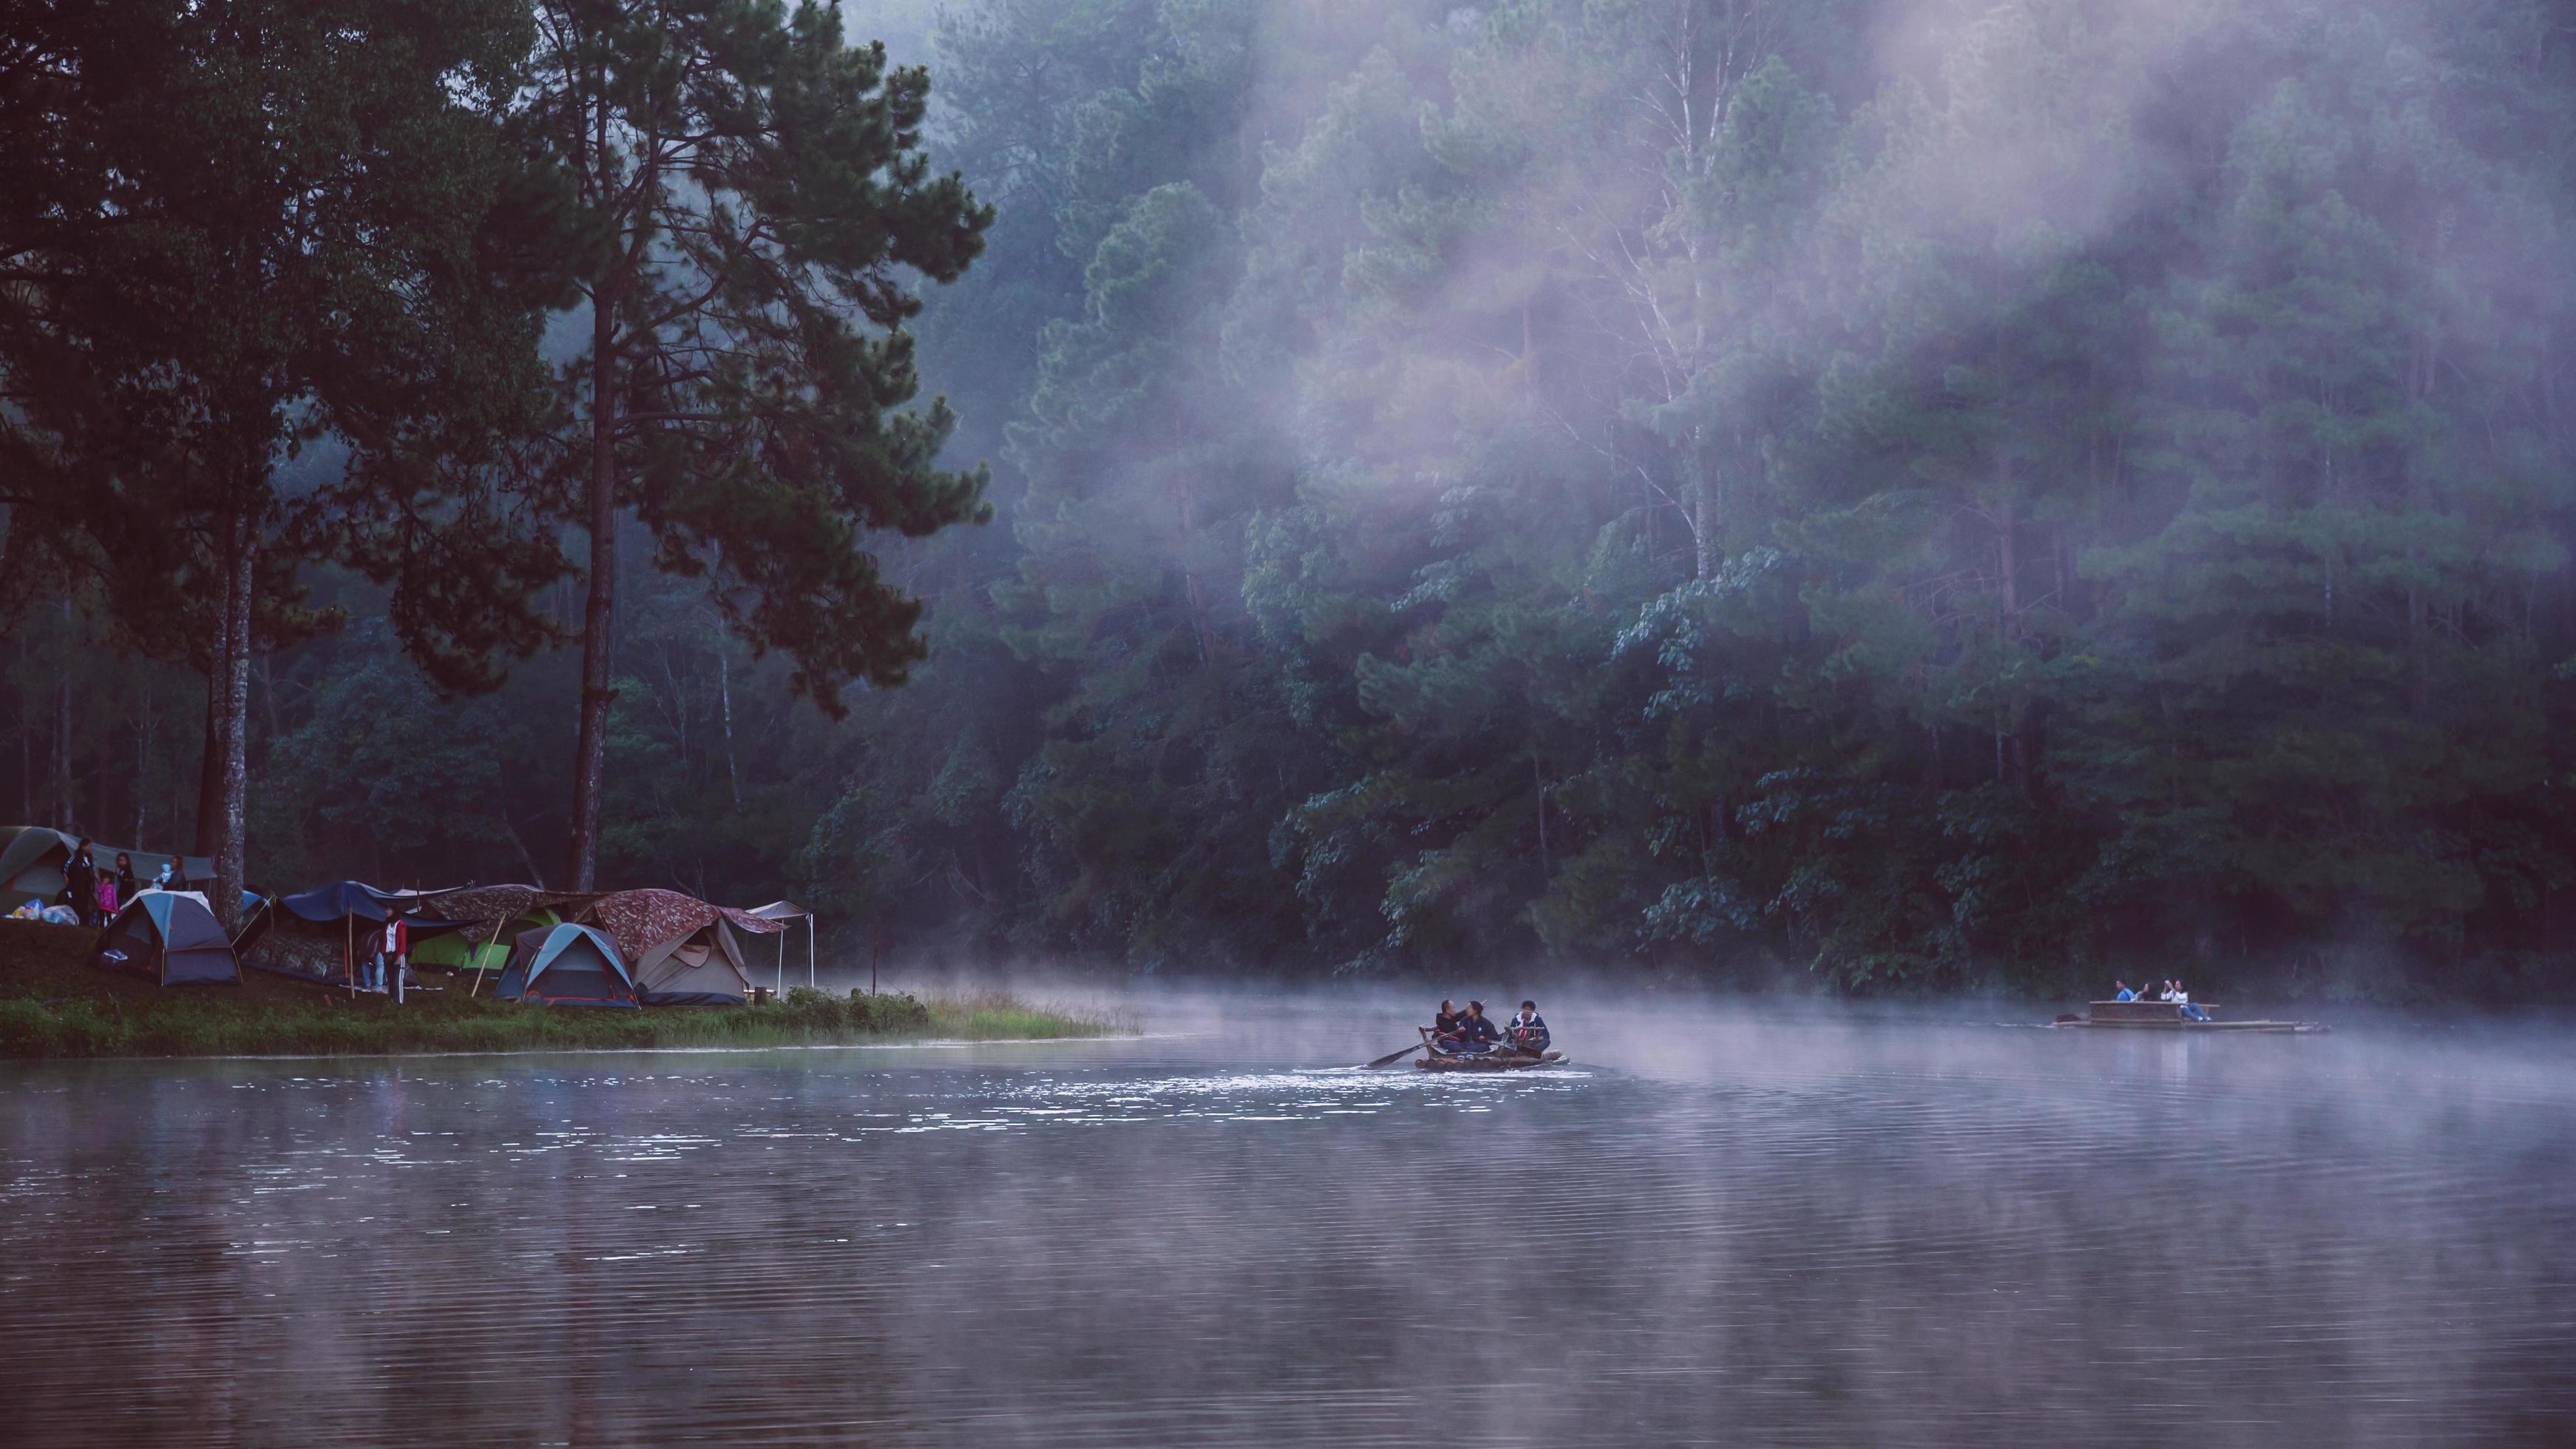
(2167, 1016)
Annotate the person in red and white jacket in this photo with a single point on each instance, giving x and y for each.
(392, 945)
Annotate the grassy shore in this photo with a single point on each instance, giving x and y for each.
(54, 1004)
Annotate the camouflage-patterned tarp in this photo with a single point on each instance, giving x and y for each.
(498, 905)
(638, 921)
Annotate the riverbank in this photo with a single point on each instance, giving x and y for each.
(54, 1004)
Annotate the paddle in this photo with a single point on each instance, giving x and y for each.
(1391, 1058)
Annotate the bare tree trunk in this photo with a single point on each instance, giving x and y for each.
(724, 698)
(210, 752)
(142, 777)
(63, 811)
(26, 739)
(1704, 519)
(590, 747)
(233, 726)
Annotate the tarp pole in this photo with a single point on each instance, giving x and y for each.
(781, 989)
(349, 956)
(477, 988)
(809, 952)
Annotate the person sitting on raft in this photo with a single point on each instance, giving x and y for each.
(2124, 993)
(1477, 1033)
(1446, 1022)
(1528, 1031)
(2182, 998)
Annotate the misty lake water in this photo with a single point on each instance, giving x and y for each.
(1715, 1227)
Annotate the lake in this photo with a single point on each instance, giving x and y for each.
(1719, 1225)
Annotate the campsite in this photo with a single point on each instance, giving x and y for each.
(55, 1003)
(491, 968)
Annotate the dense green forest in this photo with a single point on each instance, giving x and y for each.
(1891, 494)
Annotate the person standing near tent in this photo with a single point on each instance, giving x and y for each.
(81, 874)
(127, 887)
(391, 948)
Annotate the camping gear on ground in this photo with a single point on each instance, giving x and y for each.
(32, 859)
(169, 936)
(566, 965)
(653, 925)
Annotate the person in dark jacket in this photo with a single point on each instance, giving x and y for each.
(127, 887)
(81, 874)
(1477, 1033)
(1445, 1023)
(1528, 1031)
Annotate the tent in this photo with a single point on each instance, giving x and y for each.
(32, 859)
(498, 913)
(703, 968)
(566, 965)
(476, 947)
(318, 935)
(169, 936)
(649, 925)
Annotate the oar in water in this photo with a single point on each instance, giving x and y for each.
(1391, 1058)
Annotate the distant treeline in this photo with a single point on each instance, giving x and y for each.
(1913, 494)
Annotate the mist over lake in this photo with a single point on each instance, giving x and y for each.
(1720, 1225)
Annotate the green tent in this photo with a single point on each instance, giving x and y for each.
(479, 949)
(32, 858)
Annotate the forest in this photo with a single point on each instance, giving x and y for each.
(1867, 496)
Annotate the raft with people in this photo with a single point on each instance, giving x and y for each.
(1469, 1041)
(2172, 1010)
(1436, 1059)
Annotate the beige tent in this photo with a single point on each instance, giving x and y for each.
(702, 968)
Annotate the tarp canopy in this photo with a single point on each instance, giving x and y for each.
(782, 911)
(32, 859)
(566, 965)
(344, 898)
(169, 936)
(703, 968)
(641, 920)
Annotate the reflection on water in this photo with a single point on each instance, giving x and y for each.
(1714, 1230)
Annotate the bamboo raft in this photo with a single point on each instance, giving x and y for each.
(1436, 1060)
(2167, 1016)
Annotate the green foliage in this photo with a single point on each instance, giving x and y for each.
(1714, 485)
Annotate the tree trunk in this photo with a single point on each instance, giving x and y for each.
(724, 698)
(63, 811)
(590, 747)
(233, 728)
(141, 780)
(1703, 515)
(210, 752)
(26, 739)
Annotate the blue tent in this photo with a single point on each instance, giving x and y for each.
(168, 936)
(566, 965)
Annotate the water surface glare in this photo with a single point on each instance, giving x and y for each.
(1718, 1227)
